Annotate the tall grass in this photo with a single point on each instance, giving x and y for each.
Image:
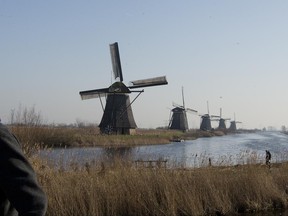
(122, 189)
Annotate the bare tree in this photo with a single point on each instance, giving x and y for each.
(26, 116)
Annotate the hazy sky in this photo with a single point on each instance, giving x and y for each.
(230, 53)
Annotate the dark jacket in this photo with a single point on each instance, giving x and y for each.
(20, 194)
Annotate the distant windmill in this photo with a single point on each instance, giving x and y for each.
(233, 124)
(118, 116)
(178, 121)
(206, 120)
(222, 124)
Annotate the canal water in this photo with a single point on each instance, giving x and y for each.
(221, 150)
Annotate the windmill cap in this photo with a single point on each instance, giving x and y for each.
(118, 87)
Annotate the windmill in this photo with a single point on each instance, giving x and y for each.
(118, 116)
(178, 121)
(233, 124)
(206, 120)
(222, 124)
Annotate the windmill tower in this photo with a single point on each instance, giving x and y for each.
(178, 121)
(233, 124)
(205, 123)
(118, 116)
(206, 120)
(222, 124)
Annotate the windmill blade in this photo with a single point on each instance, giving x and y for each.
(148, 82)
(200, 114)
(177, 105)
(214, 119)
(215, 116)
(116, 63)
(191, 110)
(95, 93)
(183, 97)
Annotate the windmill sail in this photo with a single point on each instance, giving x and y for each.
(191, 110)
(149, 82)
(115, 88)
(95, 93)
(116, 63)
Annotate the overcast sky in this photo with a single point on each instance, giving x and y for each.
(232, 54)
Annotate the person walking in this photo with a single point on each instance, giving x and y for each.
(268, 158)
(20, 193)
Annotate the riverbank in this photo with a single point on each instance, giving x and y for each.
(121, 188)
(48, 136)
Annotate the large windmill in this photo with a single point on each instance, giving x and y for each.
(233, 123)
(118, 116)
(178, 121)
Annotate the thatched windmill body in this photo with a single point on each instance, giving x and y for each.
(205, 124)
(118, 116)
(233, 123)
(222, 121)
(178, 120)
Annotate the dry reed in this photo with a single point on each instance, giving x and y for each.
(122, 189)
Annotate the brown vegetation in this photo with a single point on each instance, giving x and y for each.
(122, 189)
(52, 136)
(27, 124)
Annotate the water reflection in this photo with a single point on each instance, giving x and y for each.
(112, 153)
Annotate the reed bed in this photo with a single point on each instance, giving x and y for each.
(121, 188)
(51, 136)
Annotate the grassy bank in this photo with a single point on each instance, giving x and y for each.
(50, 136)
(122, 189)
